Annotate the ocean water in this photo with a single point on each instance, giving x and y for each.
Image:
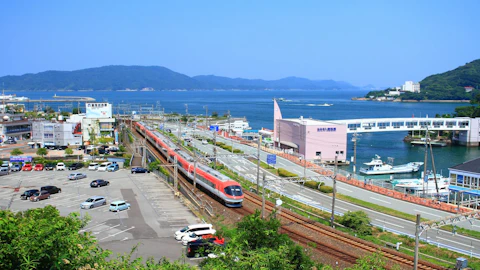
(257, 107)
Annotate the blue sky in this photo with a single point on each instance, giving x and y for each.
(379, 42)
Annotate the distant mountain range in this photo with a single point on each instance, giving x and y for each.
(156, 77)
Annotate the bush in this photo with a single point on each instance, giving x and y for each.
(237, 151)
(311, 184)
(284, 173)
(326, 189)
(358, 221)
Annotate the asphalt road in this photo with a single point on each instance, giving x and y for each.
(465, 245)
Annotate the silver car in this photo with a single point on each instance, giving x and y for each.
(76, 176)
(92, 202)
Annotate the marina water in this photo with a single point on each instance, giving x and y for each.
(257, 107)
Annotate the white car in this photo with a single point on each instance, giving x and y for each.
(60, 166)
(197, 235)
(191, 228)
(103, 166)
(93, 167)
(204, 142)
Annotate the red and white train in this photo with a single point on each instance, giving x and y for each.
(220, 186)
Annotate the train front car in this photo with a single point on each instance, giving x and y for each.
(233, 194)
(227, 190)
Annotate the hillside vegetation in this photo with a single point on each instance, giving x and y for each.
(445, 86)
(156, 77)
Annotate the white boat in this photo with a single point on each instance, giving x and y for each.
(325, 105)
(428, 184)
(377, 167)
(433, 143)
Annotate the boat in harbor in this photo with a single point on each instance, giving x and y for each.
(422, 184)
(378, 167)
(434, 143)
(4, 97)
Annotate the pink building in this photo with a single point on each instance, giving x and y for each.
(317, 141)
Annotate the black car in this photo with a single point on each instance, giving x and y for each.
(51, 189)
(49, 167)
(27, 194)
(99, 183)
(75, 166)
(62, 147)
(202, 247)
(139, 170)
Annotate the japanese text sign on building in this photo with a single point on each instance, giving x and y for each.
(327, 129)
(271, 159)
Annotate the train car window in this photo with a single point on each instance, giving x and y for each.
(233, 190)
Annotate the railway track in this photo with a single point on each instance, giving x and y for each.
(344, 249)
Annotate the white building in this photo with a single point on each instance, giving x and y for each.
(45, 133)
(98, 122)
(237, 125)
(14, 126)
(411, 86)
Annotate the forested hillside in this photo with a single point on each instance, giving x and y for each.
(158, 78)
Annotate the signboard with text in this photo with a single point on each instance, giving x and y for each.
(271, 159)
(99, 110)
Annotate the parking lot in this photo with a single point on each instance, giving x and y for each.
(152, 219)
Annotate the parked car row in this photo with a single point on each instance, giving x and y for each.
(36, 195)
(104, 167)
(200, 239)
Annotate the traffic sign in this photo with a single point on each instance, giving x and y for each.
(271, 159)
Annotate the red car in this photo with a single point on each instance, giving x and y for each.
(38, 167)
(27, 167)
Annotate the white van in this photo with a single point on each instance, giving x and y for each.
(103, 166)
(197, 235)
(191, 228)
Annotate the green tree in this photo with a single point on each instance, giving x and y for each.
(16, 152)
(41, 238)
(42, 152)
(69, 151)
(358, 221)
(257, 244)
(214, 114)
(76, 111)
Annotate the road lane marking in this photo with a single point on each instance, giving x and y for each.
(83, 230)
(348, 190)
(456, 242)
(427, 213)
(393, 224)
(109, 228)
(111, 235)
(380, 200)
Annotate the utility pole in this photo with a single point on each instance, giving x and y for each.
(258, 162)
(175, 174)
(417, 238)
(434, 170)
(332, 219)
(230, 130)
(163, 119)
(195, 175)
(425, 176)
(206, 117)
(215, 148)
(263, 195)
(179, 132)
(355, 153)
